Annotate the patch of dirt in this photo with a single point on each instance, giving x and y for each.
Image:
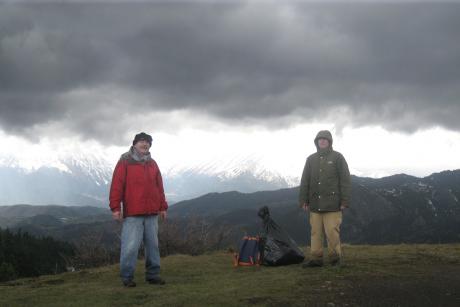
(438, 286)
(54, 282)
(265, 301)
(256, 300)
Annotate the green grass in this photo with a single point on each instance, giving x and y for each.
(404, 275)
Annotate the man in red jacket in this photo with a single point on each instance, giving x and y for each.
(137, 184)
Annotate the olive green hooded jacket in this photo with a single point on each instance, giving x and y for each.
(326, 182)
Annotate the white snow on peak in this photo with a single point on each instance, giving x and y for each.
(453, 195)
(31, 163)
(72, 159)
(431, 205)
(90, 160)
(230, 168)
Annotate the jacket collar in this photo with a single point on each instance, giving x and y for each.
(136, 156)
(325, 151)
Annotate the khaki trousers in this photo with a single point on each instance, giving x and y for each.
(328, 222)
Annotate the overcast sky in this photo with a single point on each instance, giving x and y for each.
(239, 70)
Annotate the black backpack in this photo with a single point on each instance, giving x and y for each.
(277, 247)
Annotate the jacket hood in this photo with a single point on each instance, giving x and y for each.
(323, 134)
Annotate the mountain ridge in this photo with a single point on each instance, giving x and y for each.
(394, 209)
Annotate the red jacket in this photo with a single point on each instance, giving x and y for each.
(139, 186)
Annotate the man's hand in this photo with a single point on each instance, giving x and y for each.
(305, 207)
(343, 206)
(163, 215)
(116, 215)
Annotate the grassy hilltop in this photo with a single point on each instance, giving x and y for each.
(393, 275)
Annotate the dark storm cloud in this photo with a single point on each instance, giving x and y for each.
(394, 65)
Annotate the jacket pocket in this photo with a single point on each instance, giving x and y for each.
(330, 170)
(334, 196)
(333, 202)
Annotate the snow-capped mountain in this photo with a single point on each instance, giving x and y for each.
(90, 165)
(241, 173)
(83, 177)
(54, 179)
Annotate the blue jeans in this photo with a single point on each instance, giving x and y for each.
(135, 229)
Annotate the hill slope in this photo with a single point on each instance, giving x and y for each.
(399, 275)
(390, 210)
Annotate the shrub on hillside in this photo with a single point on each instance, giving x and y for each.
(192, 236)
(7, 272)
(23, 255)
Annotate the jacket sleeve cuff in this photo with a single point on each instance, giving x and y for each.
(303, 201)
(115, 207)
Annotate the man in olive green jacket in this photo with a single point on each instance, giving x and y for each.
(325, 191)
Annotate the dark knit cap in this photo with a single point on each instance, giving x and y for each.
(142, 137)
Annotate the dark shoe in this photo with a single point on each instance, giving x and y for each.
(338, 262)
(313, 264)
(156, 281)
(129, 284)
